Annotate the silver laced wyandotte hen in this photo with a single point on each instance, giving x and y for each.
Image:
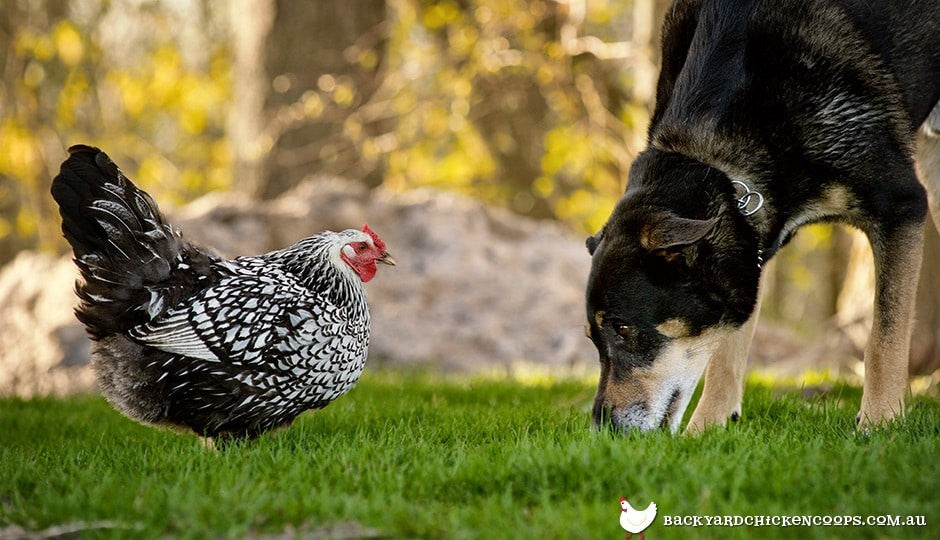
(183, 337)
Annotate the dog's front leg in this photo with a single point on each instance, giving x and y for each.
(898, 254)
(724, 376)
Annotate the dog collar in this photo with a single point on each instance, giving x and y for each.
(748, 200)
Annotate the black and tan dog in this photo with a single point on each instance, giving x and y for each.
(770, 114)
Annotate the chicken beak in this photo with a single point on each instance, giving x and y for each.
(386, 259)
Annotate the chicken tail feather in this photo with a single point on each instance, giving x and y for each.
(123, 246)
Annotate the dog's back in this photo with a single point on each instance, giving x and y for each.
(906, 33)
(776, 89)
(714, 49)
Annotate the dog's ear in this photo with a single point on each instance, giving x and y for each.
(593, 241)
(668, 234)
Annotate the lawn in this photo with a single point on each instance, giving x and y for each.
(420, 456)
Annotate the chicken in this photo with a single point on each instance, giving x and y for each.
(636, 521)
(183, 337)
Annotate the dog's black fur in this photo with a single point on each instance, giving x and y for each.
(813, 104)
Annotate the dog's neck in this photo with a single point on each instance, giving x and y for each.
(739, 189)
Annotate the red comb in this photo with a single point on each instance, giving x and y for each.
(379, 244)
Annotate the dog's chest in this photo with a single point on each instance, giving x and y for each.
(835, 202)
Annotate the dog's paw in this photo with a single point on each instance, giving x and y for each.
(713, 413)
(867, 420)
(699, 423)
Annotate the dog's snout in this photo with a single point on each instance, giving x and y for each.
(636, 415)
(633, 415)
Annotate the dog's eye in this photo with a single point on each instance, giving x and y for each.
(624, 331)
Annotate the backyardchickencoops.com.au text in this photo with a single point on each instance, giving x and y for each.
(886, 520)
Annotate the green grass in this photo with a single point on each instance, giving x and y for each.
(417, 456)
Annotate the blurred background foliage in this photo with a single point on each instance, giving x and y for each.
(142, 79)
(534, 105)
(525, 104)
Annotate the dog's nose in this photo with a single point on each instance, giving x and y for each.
(634, 416)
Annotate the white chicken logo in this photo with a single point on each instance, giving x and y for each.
(636, 521)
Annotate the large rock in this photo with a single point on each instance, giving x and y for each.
(43, 350)
(476, 288)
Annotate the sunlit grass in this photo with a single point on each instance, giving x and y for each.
(418, 456)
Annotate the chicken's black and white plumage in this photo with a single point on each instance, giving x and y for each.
(227, 348)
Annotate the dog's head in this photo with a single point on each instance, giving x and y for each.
(665, 291)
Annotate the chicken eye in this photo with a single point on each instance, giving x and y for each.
(361, 247)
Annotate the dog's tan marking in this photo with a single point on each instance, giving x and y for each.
(724, 376)
(599, 318)
(673, 328)
(928, 164)
(897, 265)
(834, 201)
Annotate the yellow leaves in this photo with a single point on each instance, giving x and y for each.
(577, 177)
(341, 91)
(599, 13)
(483, 14)
(165, 87)
(37, 46)
(68, 43)
(543, 186)
(463, 39)
(567, 147)
(352, 128)
(191, 180)
(26, 224)
(193, 114)
(74, 92)
(481, 90)
(20, 156)
(33, 75)
(440, 14)
(435, 122)
(344, 94)
(368, 59)
(462, 87)
(151, 171)
(441, 157)
(544, 74)
(166, 71)
(554, 50)
(155, 108)
(313, 105)
(635, 116)
(131, 91)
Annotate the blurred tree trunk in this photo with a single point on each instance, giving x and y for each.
(804, 286)
(925, 345)
(854, 316)
(300, 69)
(251, 23)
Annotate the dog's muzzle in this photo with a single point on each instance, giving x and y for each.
(640, 415)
